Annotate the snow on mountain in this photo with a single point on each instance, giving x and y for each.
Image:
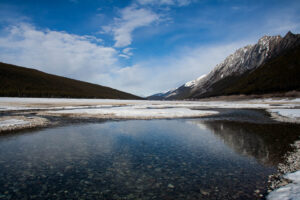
(162, 95)
(245, 58)
(194, 82)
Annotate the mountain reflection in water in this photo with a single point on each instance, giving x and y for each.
(268, 143)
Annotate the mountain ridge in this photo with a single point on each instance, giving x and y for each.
(234, 67)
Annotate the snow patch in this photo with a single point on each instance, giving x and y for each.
(286, 115)
(291, 113)
(133, 112)
(194, 82)
(56, 104)
(290, 191)
(12, 122)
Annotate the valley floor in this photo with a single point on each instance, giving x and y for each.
(13, 111)
(23, 113)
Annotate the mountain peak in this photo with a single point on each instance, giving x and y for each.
(290, 35)
(267, 39)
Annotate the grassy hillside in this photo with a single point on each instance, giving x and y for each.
(18, 81)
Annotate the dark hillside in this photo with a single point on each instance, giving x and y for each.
(281, 74)
(18, 81)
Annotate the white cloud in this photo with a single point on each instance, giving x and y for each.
(138, 15)
(84, 58)
(165, 2)
(130, 19)
(124, 56)
(56, 52)
(126, 53)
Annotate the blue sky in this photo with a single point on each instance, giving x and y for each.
(139, 46)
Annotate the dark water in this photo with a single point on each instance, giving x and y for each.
(156, 159)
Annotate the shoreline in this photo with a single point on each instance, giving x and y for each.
(31, 119)
(276, 182)
(20, 123)
(285, 184)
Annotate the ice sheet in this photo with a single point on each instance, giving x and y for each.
(290, 191)
(12, 122)
(291, 113)
(132, 112)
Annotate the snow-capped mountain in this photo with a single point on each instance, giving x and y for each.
(235, 67)
(162, 95)
(192, 83)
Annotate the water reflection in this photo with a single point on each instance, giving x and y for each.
(268, 143)
(157, 159)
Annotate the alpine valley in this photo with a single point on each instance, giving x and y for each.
(272, 65)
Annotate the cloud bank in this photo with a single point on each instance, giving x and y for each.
(161, 74)
(56, 52)
(85, 58)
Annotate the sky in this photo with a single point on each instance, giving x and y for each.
(138, 46)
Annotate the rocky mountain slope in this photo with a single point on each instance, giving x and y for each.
(18, 81)
(270, 65)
